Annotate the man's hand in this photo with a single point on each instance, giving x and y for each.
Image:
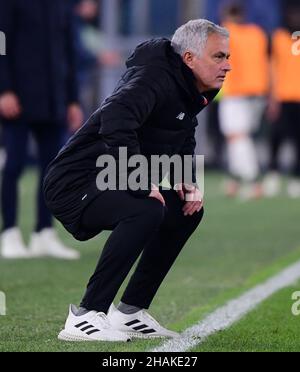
(10, 107)
(192, 196)
(110, 58)
(74, 117)
(156, 194)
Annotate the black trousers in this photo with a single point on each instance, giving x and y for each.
(139, 226)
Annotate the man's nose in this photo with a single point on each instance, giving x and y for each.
(227, 67)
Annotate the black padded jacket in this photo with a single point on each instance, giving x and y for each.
(152, 111)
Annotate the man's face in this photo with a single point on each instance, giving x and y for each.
(211, 68)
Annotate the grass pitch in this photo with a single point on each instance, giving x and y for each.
(238, 245)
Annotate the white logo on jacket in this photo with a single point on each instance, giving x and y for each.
(181, 116)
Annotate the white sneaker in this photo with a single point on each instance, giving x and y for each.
(139, 324)
(91, 326)
(293, 189)
(47, 243)
(12, 245)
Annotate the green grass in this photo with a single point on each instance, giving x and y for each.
(269, 327)
(237, 246)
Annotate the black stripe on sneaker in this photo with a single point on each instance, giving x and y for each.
(86, 327)
(80, 324)
(132, 322)
(148, 331)
(92, 331)
(140, 327)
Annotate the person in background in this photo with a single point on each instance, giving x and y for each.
(93, 53)
(2, 152)
(215, 137)
(243, 101)
(38, 95)
(284, 104)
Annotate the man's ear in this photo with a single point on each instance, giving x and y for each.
(188, 59)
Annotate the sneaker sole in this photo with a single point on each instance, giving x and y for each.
(145, 336)
(65, 336)
(14, 257)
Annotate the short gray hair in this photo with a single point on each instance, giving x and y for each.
(193, 36)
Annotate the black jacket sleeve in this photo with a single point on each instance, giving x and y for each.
(7, 27)
(127, 109)
(189, 145)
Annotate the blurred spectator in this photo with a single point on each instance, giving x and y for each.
(38, 94)
(215, 136)
(93, 53)
(266, 14)
(242, 105)
(2, 152)
(284, 105)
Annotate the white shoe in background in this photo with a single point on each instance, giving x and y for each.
(12, 244)
(47, 243)
(139, 324)
(272, 185)
(92, 326)
(293, 188)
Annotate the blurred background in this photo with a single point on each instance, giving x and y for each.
(106, 31)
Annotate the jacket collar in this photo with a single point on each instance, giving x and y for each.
(187, 81)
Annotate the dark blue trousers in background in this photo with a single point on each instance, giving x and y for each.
(48, 138)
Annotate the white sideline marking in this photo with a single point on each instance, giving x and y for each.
(230, 313)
